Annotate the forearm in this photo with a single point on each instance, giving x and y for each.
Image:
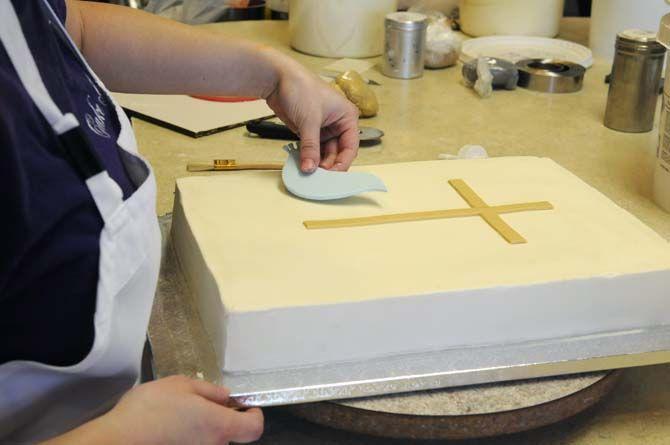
(100, 431)
(133, 51)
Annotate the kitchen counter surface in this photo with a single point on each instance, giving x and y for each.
(436, 114)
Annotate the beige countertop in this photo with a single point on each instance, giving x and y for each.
(436, 114)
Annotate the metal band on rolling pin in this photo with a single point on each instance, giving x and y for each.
(550, 75)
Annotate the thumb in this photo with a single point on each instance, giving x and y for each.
(215, 393)
(310, 146)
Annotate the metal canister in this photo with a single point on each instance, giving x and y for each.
(405, 45)
(636, 76)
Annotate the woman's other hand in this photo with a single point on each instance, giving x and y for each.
(170, 411)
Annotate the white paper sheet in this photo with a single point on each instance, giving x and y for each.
(195, 117)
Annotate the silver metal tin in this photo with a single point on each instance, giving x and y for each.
(636, 76)
(404, 45)
(550, 75)
(181, 346)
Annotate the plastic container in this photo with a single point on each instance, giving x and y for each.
(339, 28)
(609, 17)
(511, 17)
(661, 188)
(278, 9)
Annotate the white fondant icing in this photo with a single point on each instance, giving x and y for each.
(275, 295)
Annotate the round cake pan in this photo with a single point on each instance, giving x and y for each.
(550, 75)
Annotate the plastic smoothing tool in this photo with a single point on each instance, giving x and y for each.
(323, 185)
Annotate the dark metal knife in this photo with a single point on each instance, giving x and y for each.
(271, 130)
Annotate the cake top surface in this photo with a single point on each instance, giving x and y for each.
(250, 231)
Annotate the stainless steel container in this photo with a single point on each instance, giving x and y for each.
(636, 75)
(404, 45)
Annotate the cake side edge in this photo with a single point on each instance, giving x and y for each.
(199, 279)
(328, 334)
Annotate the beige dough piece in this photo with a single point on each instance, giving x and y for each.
(338, 89)
(358, 92)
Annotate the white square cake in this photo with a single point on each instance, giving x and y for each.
(274, 294)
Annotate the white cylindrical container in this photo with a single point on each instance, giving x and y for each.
(609, 17)
(339, 28)
(446, 7)
(511, 17)
(278, 9)
(661, 188)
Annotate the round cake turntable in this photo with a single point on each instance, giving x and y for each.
(465, 412)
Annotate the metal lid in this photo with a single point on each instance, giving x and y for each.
(406, 20)
(639, 41)
(638, 35)
(663, 36)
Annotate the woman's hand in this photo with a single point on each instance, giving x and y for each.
(325, 120)
(174, 410)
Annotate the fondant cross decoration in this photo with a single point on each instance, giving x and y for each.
(490, 214)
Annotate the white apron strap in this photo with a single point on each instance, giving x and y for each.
(19, 53)
(106, 193)
(126, 139)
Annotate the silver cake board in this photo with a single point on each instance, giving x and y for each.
(181, 346)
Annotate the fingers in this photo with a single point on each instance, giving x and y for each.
(329, 154)
(329, 132)
(214, 393)
(310, 146)
(247, 426)
(347, 148)
(237, 426)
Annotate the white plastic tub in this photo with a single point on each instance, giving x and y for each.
(609, 17)
(339, 28)
(511, 17)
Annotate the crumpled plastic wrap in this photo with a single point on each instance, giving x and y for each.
(468, 151)
(443, 45)
(484, 83)
(487, 73)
